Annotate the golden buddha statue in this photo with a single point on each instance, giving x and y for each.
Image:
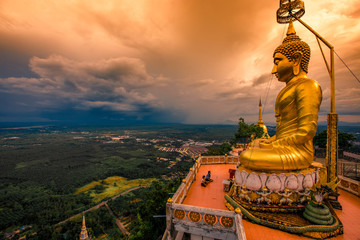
(296, 111)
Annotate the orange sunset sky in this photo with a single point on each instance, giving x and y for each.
(182, 61)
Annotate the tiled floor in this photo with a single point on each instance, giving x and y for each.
(212, 196)
(350, 215)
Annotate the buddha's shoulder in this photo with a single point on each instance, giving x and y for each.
(307, 83)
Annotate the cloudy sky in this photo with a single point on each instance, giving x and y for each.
(184, 61)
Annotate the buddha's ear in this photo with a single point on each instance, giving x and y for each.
(296, 59)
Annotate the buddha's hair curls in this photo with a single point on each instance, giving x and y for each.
(291, 44)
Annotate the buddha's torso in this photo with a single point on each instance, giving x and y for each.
(296, 108)
(285, 110)
(296, 112)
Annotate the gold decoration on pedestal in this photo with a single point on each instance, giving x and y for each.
(276, 191)
(253, 196)
(274, 197)
(194, 216)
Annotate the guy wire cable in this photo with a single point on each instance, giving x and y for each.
(347, 66)
(272, 76)
(268, 88)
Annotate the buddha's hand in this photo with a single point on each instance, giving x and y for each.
(255, 143)
(265, 144)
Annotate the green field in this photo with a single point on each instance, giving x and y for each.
(112, 186)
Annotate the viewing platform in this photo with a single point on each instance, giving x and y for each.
(200, 212)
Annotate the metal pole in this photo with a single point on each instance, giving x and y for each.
(332, 120)
(332, 67)
(332, 105)
(313, 31)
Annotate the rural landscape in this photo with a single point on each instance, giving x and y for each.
(120, 177)
(53, 173)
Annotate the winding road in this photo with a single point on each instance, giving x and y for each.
(102, 204)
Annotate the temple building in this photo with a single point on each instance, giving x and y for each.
(84, 234)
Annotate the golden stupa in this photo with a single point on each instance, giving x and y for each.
(261, 123)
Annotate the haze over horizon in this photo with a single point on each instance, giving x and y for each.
(163, 60)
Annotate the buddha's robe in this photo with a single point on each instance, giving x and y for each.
(296, 112)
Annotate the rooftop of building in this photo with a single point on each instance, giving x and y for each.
(212, 196)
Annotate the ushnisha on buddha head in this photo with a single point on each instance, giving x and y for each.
(291, 58)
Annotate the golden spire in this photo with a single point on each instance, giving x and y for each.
(291, 34)
(261, 123)
(84, 234)
(291, 29)
(260, 114)
(83, 223)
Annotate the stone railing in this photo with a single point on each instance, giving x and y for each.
(219, 159)
(351, 156)
(349, 185)
(199, 221)
(206, 222)
(183, 189)
(349, 175)
(349, 170)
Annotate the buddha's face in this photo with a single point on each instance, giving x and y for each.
(283, 68)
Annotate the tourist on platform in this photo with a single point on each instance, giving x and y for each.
(208, 177)
(203, 181)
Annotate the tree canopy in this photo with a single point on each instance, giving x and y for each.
(223, 149)
(245, 131)
(344, 139)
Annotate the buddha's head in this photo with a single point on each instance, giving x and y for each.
(292, 57)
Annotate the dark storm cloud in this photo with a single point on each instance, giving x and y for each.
(114, 84)
(195, 61)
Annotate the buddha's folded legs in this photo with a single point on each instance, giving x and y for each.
(284, 158)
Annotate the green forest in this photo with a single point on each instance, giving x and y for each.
(42, 168)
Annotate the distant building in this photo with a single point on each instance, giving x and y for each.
(236, 150)
(84, 234)
(191, 151)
